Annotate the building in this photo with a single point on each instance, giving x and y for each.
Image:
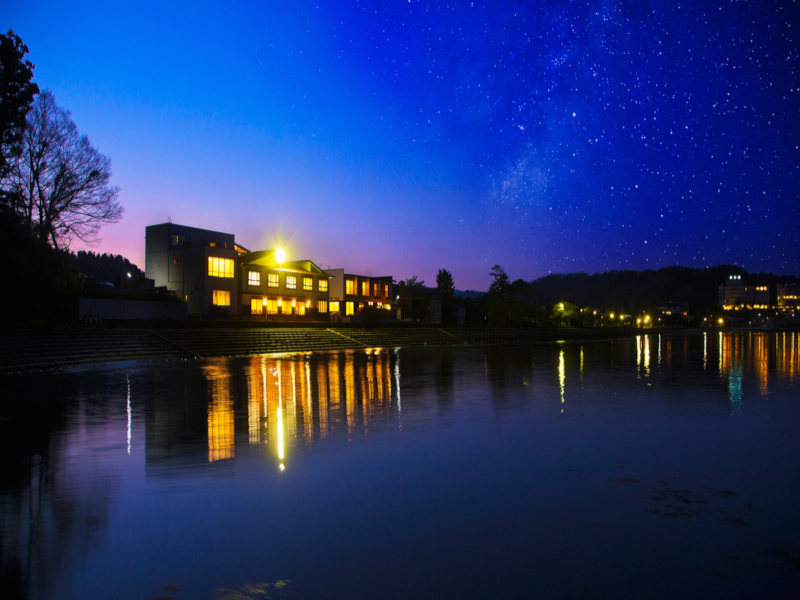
(734, 295)
(199, 265)
(788, 295)
(420, 304)
(215, 276)
(674, 309)
(273, 286)
(354, 298)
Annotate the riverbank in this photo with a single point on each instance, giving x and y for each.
(23, 351)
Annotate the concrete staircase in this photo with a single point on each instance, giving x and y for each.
(39, 350)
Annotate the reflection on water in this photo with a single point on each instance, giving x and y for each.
(72, 441)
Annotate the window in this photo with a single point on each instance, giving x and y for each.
(177, 240)
(348, 308)
(375, 289)
(255, 306)
(272, 306)
(272, 280)
(351, 287)
(386, 291)
(308, 284)
(323, 285)
(177, 261)
(254, 278)
(380, 304)
(220, 267)
(291, 282)
(301, 309)
(387, 306)
(322, 306)
(365, 288)
(212, 244)
(286, 308)
(221, 298)
(334, 307)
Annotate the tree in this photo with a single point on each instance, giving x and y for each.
(411, 283)
(444, 281)
(564, 312)
(60, 182)
(16, 97)
(501, 281)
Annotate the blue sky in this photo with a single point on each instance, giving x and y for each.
(402, 137)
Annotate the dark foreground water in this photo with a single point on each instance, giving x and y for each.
(658, 467)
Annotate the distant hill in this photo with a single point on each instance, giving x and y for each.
(633, 291)
(103, 267)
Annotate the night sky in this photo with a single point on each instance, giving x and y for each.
(402, 137)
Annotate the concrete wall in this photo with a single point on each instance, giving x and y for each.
(130, 310)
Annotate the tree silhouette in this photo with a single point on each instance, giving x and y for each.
(444, 281)
(61, 183)
(16, 97)
(501, 281)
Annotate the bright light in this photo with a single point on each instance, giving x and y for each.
(561, 306)
(279, 255)
(611, 315)
(281, 467)
(129, 274)
(721, 321)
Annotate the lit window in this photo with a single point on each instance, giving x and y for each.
(308, 284)
(255, 306)
(375, 289)
(348, 306)
(220, 267)
(323, 285)
(387, 306)
(212, 244)
(380, 304)
(272, 280)
(272, 306)
(364, 288)
(177, 240)
(291, 282)
(360, 305)
(386, 291)
(351, 287)
(286, 308)
(301, 310)
(254, 278)
(334, 307)
(221, 298)
(322, 306)
(177, 261)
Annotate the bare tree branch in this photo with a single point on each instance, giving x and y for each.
(61, 181)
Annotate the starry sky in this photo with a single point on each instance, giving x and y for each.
(402, 137)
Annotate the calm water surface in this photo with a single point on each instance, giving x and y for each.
(659, 467)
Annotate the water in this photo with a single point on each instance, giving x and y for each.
(659, 467)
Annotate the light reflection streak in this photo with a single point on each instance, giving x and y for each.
(647, 355)
(638, 355)
(705, 350)
(561, 375)
(659, 349)
(128, 379)
(397, 380)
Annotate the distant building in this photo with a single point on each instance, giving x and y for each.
(788, 295)
(674, 309)
(354, 297)
(734, 295)
(421, 304)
